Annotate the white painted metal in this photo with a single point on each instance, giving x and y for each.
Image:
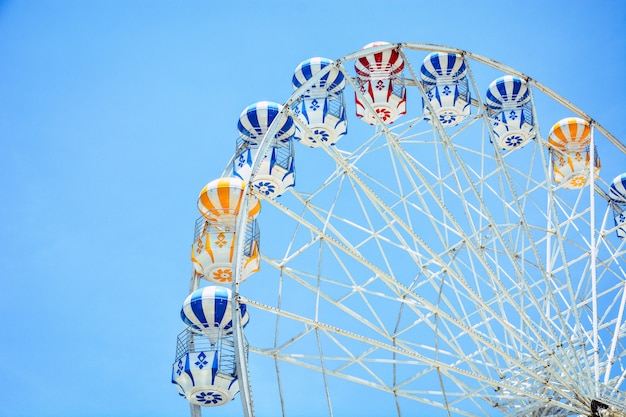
(517, 287)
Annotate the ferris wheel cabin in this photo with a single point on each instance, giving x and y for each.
(382, 93)
(510, 112)
(213, 250)
(446, 86)
(322, 108)
(571, 152)
(276, 172)
(204, 370)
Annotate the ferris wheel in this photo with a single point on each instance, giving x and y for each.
(417, 231)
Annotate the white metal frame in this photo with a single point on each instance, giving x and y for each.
(508, 281)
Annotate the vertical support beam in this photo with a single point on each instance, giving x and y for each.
(238, 336)
(592, 256)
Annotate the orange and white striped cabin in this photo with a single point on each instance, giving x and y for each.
(220, 201)
(570, 134)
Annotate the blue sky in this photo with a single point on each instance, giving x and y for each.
(114, 114)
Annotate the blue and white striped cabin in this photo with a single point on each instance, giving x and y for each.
(510, 112)
(276, 172)
(444, 78)
(204, 369)
(321, 107)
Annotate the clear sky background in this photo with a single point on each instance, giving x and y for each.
(114, 114)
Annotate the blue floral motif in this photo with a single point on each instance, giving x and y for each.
(446, 91)
(266, 188)
(513, 140)
(179, 367)
(447, 118)
(429, 94)
(314, 105)
(201, 362)
(512, 115)
(322, 135)
(242, 161)
(209, 397)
